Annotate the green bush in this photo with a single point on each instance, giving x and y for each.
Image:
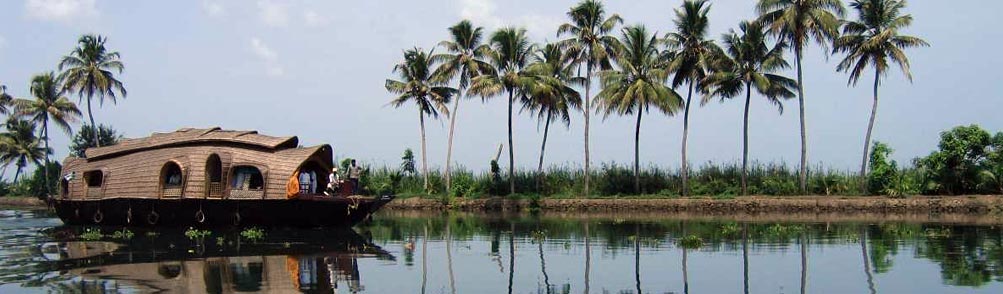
(883, 172)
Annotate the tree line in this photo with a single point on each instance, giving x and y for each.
(639, 71)
(89, 71)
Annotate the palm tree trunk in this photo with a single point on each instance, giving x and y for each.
(424, 159)
(867, 264)
(745, 140)
(511, 151)
(45, 169)
(686, 129)
(867, 138)
(587, 110)
(637, 152)
(543, 148)
(803, 174)
(449, 144)
(18, 173)
(97, 137)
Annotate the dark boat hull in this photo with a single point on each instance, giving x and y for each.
(318, 211)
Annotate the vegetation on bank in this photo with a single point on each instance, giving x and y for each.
(969, 160)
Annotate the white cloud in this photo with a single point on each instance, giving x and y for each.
(60, 10)
(314, 19)
(268, 56)
(273, 14)
(213, 8)
(484, 13)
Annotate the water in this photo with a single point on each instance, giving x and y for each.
(402, 252)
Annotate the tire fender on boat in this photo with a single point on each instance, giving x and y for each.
(153, 217)
(200, 216)
(98, 217)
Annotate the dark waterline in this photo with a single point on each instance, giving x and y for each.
(400, 252)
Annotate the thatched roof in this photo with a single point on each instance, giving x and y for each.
(189, 136)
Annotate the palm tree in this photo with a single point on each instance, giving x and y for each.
(5, 99)
(637, 85)
(691, 60)
(591, 42)
(749, 63)
(19, 146)
(49, 106)
(464, 61)
(552, 95)
(417, 85)
(509, 53)
(88, 71)
(874, 40)
(798, 23)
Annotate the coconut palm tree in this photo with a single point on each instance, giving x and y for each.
(48, 106)
(692, 53)
(5, 99)
(417, 85)
(88, 71)
(637, 85)
(591, 42)
(19, 146)
(750, 64)
(464, 62)
(510, 53)
(874, 40)
(798, 23)
(552, 95)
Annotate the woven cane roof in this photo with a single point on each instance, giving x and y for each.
(188, 136)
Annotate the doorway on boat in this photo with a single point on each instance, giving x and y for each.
(95, 181)
(64, 188)
(171, 180)
(247, 182)
(313, 178)
(214, 177)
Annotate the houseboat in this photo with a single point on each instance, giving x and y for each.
(208, 177)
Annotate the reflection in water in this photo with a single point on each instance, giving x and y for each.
(906, 257)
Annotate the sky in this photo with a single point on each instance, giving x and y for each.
(316, 69)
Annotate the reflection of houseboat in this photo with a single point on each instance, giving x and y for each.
(206, 176)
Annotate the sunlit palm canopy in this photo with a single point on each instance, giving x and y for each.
(690, 52)
(552, 94)
(750, 61)
(416, 84)
(49, 105)
(799, 22)
(465, 56)
(510, 52)
(639, 82)
(590, 40)
(874, 38)
(89, 70)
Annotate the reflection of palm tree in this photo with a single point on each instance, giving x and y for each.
(804, 262)
(745, 256)
(588, 257)
(637, 256)
(543, 264)
(686, 278)
(424, 260)
(867, 264)
(511, 256)
(449, 257)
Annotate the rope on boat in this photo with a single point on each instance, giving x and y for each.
(353, 205)
(128, 215)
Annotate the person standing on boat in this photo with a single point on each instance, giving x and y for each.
(354, 172)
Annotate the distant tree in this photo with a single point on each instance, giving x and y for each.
(48, 106)
(418, 86)
(86, 138)
(37, 182)
(407, 162)
(19, 146)
(88, 72)
(956, 166)
(874, 40)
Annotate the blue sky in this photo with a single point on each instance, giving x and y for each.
(316, 69)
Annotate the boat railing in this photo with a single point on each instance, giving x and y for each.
(172, 192)
(247, 194)
(215, 190)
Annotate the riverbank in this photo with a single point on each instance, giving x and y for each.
(981, 204)
(20, 201)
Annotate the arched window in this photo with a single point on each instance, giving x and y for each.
(313, 178)
(171, 180)
(247, 182)
(214, 177)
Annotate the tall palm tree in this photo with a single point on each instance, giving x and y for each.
(749, 63)
(551, 94)
(691, 62)
(417, 85)
(88, 71)
(464, 61)
(798, 23)
(19, 146)
(637, 85)
(510, 53)
(591, 42)
(874, 40)
(48, 106)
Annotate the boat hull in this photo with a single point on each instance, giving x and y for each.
(318, 211)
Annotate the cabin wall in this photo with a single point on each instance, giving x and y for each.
(137, 175)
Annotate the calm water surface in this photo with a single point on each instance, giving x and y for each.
(470, 253)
